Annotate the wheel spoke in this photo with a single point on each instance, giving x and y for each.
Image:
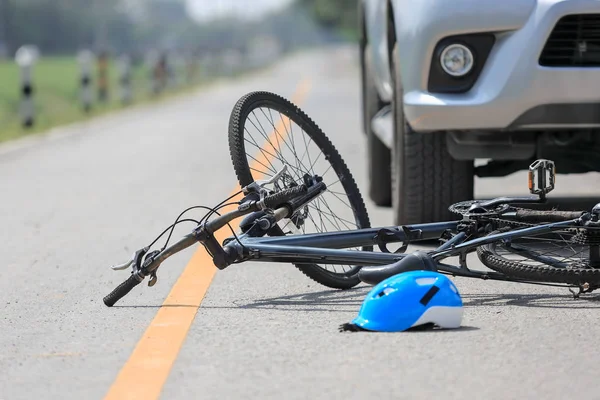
(271, 142)
(554, 250)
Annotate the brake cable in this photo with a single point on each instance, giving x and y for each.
(212, 211)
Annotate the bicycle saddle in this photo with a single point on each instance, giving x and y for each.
(415, 261)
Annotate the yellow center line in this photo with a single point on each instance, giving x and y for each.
(147, 369)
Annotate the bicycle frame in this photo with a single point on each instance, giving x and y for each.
(331, 248)
(263, 240)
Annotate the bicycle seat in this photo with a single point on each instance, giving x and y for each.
(415, 261)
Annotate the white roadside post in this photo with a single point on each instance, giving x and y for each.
(125, 78)
(86, 62)
(25, 57)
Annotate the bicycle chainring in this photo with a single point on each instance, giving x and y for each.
(469, 208)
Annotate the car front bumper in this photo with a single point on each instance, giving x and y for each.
(513, 91)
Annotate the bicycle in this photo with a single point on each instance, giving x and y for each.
(276, 211)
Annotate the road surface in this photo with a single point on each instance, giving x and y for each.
(85, 197)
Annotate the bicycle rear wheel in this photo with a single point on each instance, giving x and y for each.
(569, 256)
(266, 132)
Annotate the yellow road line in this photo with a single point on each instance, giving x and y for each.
(145, 373)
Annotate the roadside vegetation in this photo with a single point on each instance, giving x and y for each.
(223, 47)
(336, 15)
(58, 97)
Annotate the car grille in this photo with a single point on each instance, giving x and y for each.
(574, 42)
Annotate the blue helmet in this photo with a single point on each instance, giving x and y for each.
(408, 300)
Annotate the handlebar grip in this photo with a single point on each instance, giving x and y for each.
(121, 290)
(284, 196)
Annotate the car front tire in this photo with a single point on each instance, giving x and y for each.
(426, 180)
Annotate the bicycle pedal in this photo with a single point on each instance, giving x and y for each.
(541, 177)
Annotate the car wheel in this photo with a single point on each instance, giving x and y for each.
(378, 154)
(426, 180)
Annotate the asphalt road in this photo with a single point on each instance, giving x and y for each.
(84, 197)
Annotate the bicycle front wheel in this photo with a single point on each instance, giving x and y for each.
(268, 132)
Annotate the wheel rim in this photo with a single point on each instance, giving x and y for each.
(562, 249)
(273, 139)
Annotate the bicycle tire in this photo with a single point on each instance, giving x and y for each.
(574, 274)
(237, 147)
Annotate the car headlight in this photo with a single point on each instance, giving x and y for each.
(456, 60)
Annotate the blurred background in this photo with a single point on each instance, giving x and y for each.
(65, 60)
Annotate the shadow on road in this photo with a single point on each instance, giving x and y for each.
(532, 300)
(347, 328)
(333, 300)
(351, 300)
(313, 301)
(318, 301)
(157, 306)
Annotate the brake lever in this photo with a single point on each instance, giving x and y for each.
(258, 185)
(135, 261)
(123, 266)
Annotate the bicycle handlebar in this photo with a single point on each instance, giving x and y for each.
(278, 199)
(121, 290)
(275, 201)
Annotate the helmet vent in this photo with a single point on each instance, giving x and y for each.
(386, 291)
(429, 295)
(425, 281)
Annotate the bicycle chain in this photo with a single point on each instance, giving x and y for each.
(582, 236)
(462, 208)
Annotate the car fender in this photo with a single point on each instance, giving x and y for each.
(374, 13)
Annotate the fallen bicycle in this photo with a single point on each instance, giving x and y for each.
(287, 218)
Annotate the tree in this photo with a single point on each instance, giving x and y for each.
(339, 15)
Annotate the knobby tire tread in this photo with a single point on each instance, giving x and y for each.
(546, 273)
(242, 169)
(432, 179)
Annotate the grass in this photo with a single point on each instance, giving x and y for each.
(57, 95)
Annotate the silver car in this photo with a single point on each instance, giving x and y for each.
(447, 82)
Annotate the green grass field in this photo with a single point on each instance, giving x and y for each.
(57, 94)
